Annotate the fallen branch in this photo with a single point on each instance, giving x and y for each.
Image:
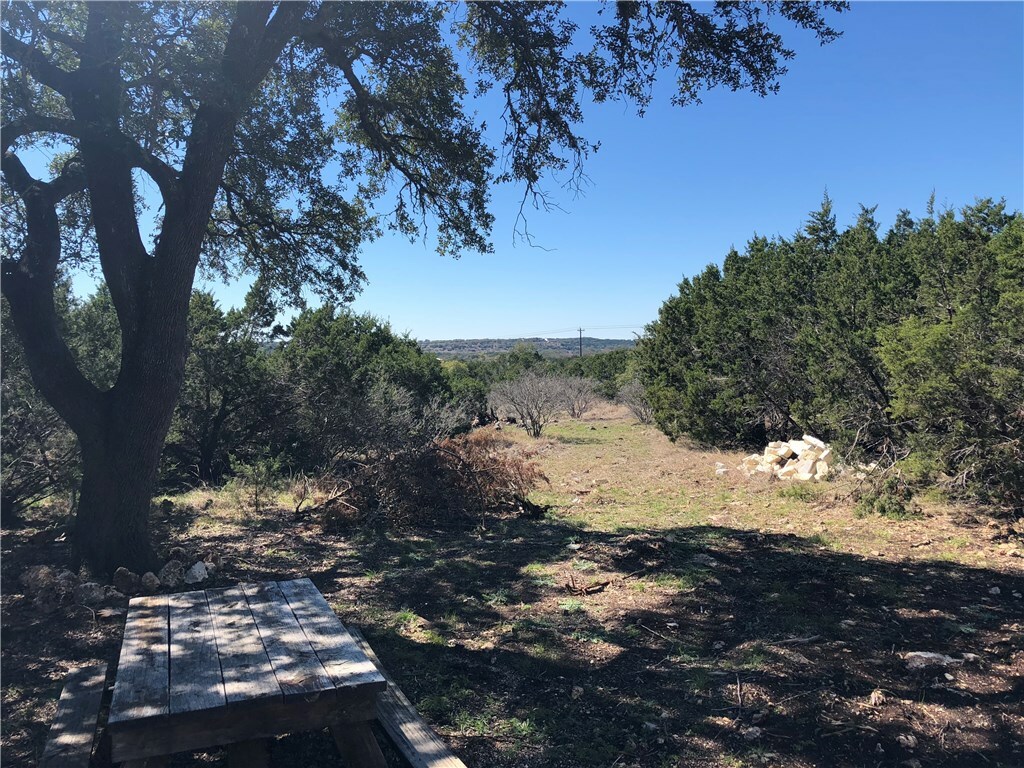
(797, 640)
(656, 634)
(590, 589)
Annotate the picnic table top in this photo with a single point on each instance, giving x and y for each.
(254, 644)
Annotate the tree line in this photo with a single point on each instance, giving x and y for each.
(327, 392)
(907, 344)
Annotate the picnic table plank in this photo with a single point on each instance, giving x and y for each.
(411, 735)
(337, 650)
(69, 743)
(296, 666)
(140, 690)
(245, 666)
(195, 674)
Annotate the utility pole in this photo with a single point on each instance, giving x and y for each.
(581, 341)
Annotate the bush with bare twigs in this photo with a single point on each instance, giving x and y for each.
(534, 398)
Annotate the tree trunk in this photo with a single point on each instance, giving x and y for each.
(119, 471)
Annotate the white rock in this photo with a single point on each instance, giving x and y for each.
(994, 591)
(196, 573)
(827, 456)
(788, 471)
(812, 440)
(798, 446)
(820, 469)
(922, 659)
(753, 733)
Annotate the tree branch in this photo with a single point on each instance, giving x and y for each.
(35, 63)
(28, 283)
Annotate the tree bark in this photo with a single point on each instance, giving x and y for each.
(119, 470)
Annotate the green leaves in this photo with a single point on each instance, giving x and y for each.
(913, 341)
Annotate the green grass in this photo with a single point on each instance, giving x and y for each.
(571, 605)
(405, 617)
(497, 597)
(799, 492)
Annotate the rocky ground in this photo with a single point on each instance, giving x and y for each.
(661, 615)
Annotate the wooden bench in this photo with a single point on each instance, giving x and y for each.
(69, 744)
(419, 745)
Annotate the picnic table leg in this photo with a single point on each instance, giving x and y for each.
(358, 746)
(249, 754)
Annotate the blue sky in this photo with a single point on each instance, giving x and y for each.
(914, 98)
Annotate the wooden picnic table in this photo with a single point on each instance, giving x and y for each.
(235, 667)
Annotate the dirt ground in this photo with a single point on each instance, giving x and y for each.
(661, 615)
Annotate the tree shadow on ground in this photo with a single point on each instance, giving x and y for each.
(707, 645)
(700, 646)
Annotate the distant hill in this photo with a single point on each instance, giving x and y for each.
(469, 348)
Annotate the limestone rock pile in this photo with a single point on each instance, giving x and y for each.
(805, 459)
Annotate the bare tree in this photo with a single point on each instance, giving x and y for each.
(579, 394)
(534, 398)
(633, 396)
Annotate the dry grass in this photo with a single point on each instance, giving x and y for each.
(647, 622)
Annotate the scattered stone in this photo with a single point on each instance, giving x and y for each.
(753, 733)
(126, 581)
(172, 574)
(37, 578)
(112, 594)
(213, 563)
(179, 554)
(196, 573)
(649, 726)
(877, 698)
(89, 593)
(1017, 595)
(971, 657)
(923, 659)
(758, 717)
(150, 582)
(66, 582)
(703, 559)
(907, 740)
(994, 591)
(577, 691)
(912, 763)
